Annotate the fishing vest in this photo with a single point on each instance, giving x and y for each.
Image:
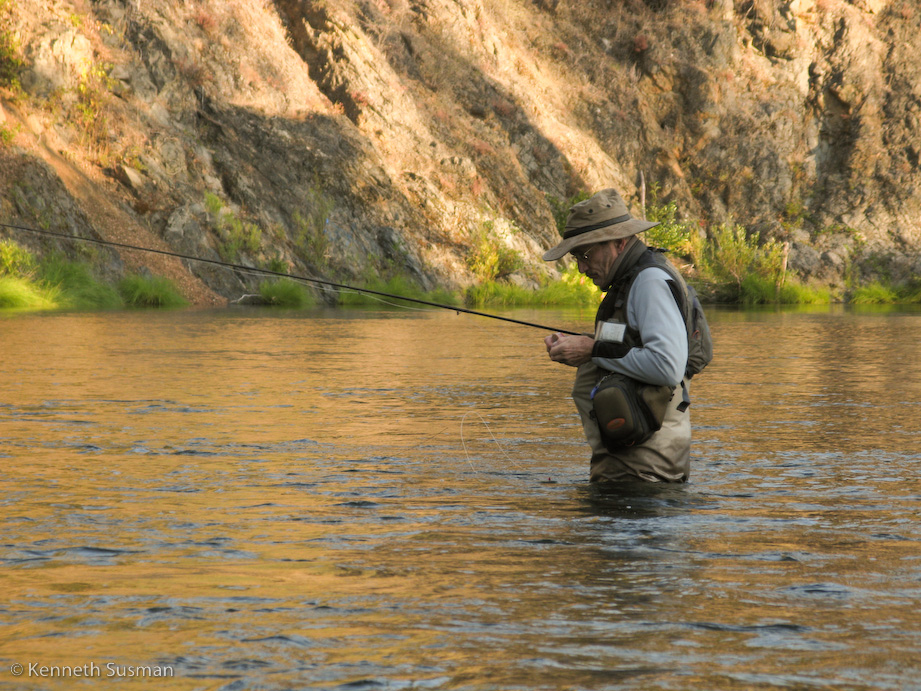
(614, 308)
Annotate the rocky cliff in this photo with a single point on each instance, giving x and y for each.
(353, 138)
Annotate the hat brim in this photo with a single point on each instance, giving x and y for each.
(614, 232)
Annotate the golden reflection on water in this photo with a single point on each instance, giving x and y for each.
(310, 500)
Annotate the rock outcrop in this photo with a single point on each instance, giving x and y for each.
(368, 137)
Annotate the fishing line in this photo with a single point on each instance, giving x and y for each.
(306, 279)
(488, 429)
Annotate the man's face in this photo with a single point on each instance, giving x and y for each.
(595, 261)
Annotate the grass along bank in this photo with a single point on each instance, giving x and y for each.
(55, 282)
(285, 292)
(572, 289)
(725, 263)
(395, 285)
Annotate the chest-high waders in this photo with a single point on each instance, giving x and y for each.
(664, 456)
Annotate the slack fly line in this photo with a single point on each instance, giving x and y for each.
(281, 274)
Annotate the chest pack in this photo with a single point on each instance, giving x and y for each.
(627, 411)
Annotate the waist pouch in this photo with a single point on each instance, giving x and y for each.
(627, 411)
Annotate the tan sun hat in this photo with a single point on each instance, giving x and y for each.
(603, 217)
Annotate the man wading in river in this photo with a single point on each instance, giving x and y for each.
(638, 425)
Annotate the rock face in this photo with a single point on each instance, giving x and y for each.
(373, 137)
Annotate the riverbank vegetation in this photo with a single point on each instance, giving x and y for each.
(395, 285)
(572, 289)
(725, 263)
(55, 282)
(149, 291)
(285, 292)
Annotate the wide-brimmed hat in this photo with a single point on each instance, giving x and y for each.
(603, 217)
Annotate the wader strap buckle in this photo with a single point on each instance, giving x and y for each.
(685, 398)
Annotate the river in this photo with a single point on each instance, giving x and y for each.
(256, 499)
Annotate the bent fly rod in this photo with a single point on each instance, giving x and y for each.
(281, 274)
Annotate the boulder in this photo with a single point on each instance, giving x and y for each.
(56, 61)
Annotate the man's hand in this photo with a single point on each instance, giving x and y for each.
(570, 350)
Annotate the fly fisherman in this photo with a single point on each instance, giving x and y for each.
(641, 334)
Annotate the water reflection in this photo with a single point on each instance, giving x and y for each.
(362, 499)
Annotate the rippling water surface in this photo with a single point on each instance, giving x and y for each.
(361, 500)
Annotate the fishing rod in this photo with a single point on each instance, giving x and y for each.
(270, 272)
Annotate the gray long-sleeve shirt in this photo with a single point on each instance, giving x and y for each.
(652, 310)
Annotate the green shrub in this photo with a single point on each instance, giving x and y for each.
(236, 236)
(277, 264)
(154, 291)
(16, 261)
(285, 293)
(214, 205)
(671, 234)
(573, 289)
(731, 256)
(310, 227)
(90, 110)
(489, 257)
(8, 134)
(794, 214)
(10, 62)
(730, 253)
(239, 237)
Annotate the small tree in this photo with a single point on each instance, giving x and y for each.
(731, 256)
(671, 234)
(489, 258)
